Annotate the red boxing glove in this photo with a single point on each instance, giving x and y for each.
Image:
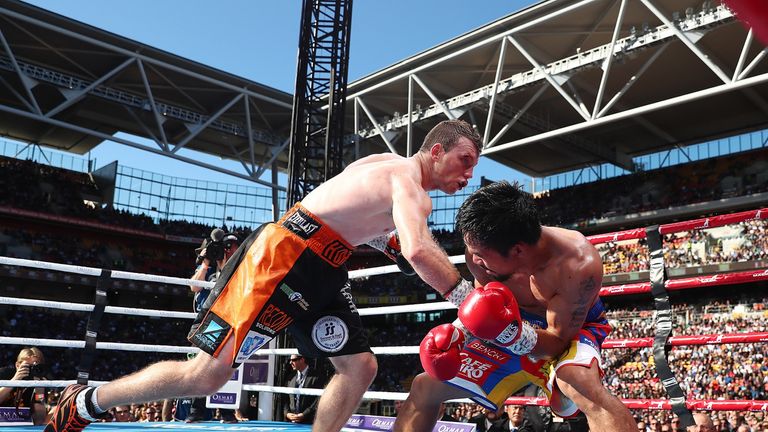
(491, 312)
(440, 351)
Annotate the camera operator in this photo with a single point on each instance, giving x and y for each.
(29, 366)
(211, 257)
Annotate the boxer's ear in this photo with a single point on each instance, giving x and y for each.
(436, 151)
(516, 251)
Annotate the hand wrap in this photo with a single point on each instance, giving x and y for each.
(389, 244)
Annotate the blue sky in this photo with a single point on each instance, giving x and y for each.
(258, 40)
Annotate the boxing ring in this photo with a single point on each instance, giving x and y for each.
(658, 287)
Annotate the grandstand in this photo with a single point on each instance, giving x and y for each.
(657, 170)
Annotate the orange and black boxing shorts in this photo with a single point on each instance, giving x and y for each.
(286, 275)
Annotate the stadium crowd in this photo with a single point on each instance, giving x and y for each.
(706, 180)
(77, 195)
(711, 372)
(745, 241)
(69, 193)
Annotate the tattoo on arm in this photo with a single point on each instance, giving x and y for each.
(585, 295)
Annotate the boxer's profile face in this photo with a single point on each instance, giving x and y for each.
(453, 168)
(495, 265)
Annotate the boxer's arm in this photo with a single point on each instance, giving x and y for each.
(567, 310)
(410, 209)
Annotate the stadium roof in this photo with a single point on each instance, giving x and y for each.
(681, 72)
(69, 85)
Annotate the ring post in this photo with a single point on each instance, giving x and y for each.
(92, 328)
(658, 276)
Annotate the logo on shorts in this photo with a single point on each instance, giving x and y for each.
(211, 332)
(491, 353)
(346, 291)
(273, 319)
(336, 253)
(473, 369)
(294, 296)
(588, 339)
(330, 334)
(301, 224)
(251, 343)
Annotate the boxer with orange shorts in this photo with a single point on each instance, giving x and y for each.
(290, 275)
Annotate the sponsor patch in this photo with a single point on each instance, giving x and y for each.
(330, 334)
(509, 333)
(211, 333)
(301, 224)
(475, 369)
(272, 319)
(487, 351)
(294, 296)
(336, 252)
(252, 342)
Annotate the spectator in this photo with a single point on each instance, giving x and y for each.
(515, 421)
(122, 414)
(29, 366)
(212, 256)
(302, 408)
(444, 415)
(486, 420)
(703, 423)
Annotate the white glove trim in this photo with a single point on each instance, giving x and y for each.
(459, 292)
(380, 243)
(526, 342)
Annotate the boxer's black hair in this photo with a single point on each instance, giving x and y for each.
(499, 216)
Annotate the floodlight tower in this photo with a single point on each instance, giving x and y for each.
(317, 124)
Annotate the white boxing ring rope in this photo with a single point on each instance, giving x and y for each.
(394, 350)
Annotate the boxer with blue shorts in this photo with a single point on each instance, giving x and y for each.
(532, 315)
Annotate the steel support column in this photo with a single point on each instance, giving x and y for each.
(321, 78)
